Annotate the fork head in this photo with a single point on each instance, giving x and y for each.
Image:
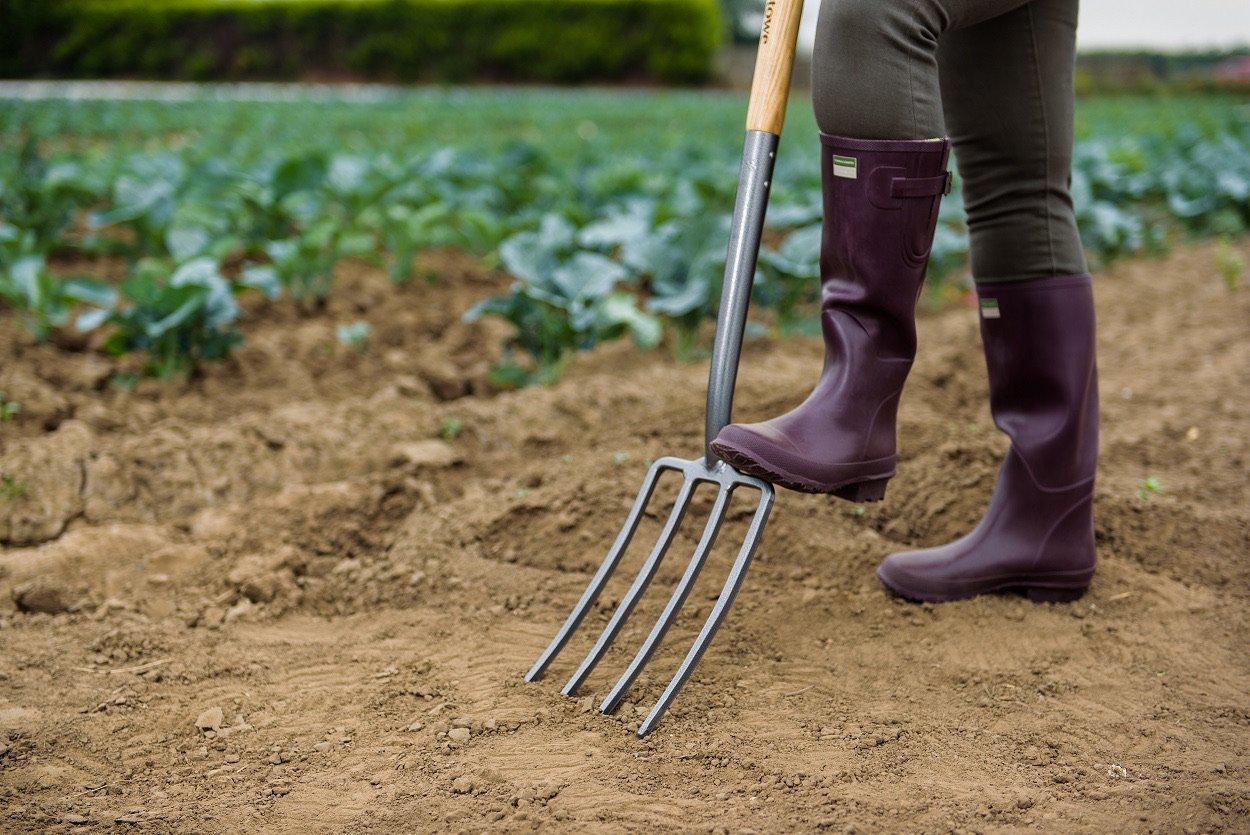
(699, 471)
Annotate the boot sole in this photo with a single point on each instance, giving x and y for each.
(860, 490)
(1056, 587)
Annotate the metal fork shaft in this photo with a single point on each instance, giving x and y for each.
(759, 156)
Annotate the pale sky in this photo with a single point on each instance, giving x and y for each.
(1160, 24)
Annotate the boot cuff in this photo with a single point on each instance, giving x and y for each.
(1056, 282)
(848, 144)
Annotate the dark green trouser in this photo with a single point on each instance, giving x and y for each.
(1000, 72)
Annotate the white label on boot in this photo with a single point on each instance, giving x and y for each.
(989, 309)
(845, 167)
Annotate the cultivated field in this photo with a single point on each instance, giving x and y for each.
(295, 589)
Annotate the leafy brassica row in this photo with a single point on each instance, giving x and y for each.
(602, 243)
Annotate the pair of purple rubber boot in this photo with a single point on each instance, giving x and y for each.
(881, 202)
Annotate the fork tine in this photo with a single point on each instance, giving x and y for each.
(626, 606)
(680, 593)
(732, 583)
(603, 573)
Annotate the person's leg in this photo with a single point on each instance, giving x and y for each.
(883, 163)
(1007, 92)
(875, 64)
(1007, 95)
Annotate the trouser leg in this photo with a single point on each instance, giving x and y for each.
(996, 74)
(1006, 91)
(875, 65)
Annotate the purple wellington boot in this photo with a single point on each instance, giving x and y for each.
(1038, 534)
(881, 201)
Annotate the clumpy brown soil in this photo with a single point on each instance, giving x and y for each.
(298, 593)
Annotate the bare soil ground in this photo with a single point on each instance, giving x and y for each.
(288, 596)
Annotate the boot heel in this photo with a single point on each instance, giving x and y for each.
(1042, 594)
(863, 491)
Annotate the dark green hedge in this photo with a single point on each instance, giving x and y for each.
(411, 40)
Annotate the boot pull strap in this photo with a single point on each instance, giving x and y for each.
(921, 186)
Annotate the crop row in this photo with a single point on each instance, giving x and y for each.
(601, 243)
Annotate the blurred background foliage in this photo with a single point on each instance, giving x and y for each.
(556, 41)
(671, 41)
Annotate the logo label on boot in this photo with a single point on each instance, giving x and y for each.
(989, 309)
(845, 167)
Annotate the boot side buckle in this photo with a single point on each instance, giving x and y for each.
(902, 187)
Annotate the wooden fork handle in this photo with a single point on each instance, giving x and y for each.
(770, 89)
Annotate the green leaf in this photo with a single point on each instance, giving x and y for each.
(89, 291)
(193, 301)
(262, 277)
(299, 173)
(690, 296)
(355, 335)
(509, 376)
(220, 307)
(357, 244)
(282, 252)
(143, 284)
(187, 242)
(89, 320)
(347, 174)
(621, 309)
(25, 275)
(802, 246)
(618, 227)
(587, 275)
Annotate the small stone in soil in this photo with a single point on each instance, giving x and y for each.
(430, 453)
(41, 596)
(458, 734)
(211, 719)
(241, 609)
(462, 784)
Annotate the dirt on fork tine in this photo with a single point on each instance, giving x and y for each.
(298, 593)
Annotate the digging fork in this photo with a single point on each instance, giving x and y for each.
(765, 116)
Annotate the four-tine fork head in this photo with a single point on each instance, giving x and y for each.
(695, 472)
